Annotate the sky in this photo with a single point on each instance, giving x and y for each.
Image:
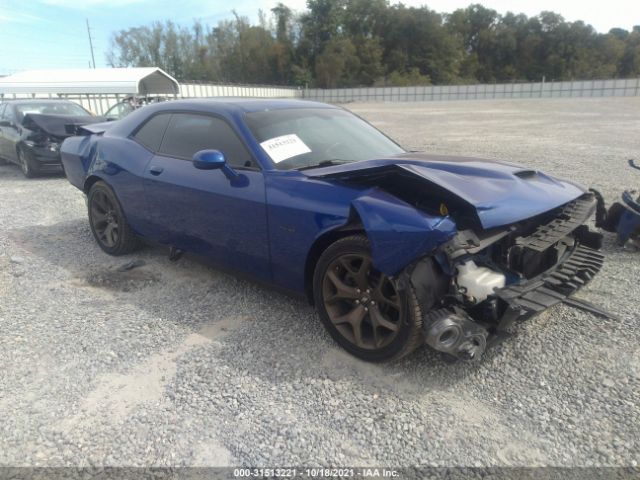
(43, 34)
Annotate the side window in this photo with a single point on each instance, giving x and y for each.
(9, 115)
(150, 134)
(189, 133)
(2, 107)
(119, 110)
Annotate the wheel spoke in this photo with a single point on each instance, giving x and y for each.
(108, 234)
(354, 318)
(393, 302)
(378, 319)
(382, 297)
(362, 277)
(102, 202)
(114, 234)
(98, 214)
(346, 264)
(343, 291)
(357, 330)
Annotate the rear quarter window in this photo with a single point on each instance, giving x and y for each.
(151, 133)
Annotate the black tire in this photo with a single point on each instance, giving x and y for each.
(26, 164)
(108, 223)
(398, 308)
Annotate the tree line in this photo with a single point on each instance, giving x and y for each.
(347, 43)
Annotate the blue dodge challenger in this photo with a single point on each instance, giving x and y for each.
(394, 248)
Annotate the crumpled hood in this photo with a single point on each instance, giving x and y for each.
(58, 125)
(501, 193)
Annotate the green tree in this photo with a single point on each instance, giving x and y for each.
(337, 63)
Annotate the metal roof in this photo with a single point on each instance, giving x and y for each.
(135, 81)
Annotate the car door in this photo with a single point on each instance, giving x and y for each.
(118, 111)
(203, 211)
(10, 134)
(2, 137)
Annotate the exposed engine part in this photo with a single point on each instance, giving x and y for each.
(429, 283)
(454, 333)
(477, 283)
(530, 263)
(551, 288)
(468, 242)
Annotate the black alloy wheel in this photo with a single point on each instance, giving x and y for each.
(26, 164)
(108, 223)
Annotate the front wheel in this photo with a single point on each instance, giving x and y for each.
(26, 163)
(108, 223)
(363, 309)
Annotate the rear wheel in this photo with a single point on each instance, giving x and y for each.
(363, 309)
(27, 165)
(108, 223)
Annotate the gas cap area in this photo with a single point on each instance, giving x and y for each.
(477, 283)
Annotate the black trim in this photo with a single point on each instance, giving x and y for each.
(552, 287)
(570, 217)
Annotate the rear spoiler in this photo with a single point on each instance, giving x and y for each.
(93, 128)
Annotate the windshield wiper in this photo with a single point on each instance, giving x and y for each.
(324, 163)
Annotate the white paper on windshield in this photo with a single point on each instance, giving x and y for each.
(284, 147)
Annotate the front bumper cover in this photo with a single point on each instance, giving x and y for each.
(44, 158)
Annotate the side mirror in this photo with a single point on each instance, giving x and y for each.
(213, 160)
(5, 123)
(209, 160)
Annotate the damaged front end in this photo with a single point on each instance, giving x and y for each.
(45, 134)
(488, 281)
(481, 243)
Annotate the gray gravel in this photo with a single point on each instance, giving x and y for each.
(179, 364)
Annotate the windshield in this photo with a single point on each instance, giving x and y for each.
(50, 108)
(306, 137)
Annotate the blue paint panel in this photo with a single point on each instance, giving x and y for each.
(203, 212)
(501, 193)
(301, 210)
(398, 233)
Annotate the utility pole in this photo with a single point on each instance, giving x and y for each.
(93, 59)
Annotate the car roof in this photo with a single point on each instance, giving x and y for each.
(230, 104)
(35, 100)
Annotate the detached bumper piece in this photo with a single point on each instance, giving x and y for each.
(553, 287)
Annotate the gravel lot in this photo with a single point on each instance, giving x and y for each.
(179, 364)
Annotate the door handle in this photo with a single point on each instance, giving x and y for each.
(156, 170)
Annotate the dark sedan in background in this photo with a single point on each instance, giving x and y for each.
(31, 132)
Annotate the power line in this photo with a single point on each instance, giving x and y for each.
(93, 59)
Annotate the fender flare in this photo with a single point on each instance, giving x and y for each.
(398, 232)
